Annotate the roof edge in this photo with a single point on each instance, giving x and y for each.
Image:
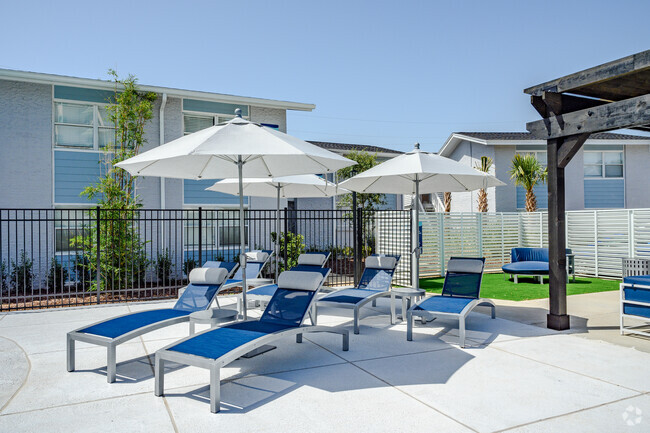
(42, 78)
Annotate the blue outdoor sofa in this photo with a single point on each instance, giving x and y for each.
(533, 262)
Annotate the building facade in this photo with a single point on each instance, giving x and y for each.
(609, 171)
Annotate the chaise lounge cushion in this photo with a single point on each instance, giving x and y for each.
(444, 304)
(526, 268)
(643, 280)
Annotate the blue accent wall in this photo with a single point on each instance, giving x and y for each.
(604, 193)
(74, 171)
(194, 193)
(81, 94)
(541, 193)
(213, 107)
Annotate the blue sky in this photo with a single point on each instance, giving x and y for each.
(380, 72)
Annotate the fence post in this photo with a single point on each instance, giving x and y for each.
(200, 264)
(479, 227)
(358, 242)
(99, 254)
(596, 242)
(286, 230)
(630, 232)
(541, 230)
(441, 234)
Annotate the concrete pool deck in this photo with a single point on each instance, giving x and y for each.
(514, 375)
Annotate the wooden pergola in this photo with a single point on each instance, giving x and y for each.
(611, 96)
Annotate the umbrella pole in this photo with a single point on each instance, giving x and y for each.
(277, 235)
(242, 238)
(415, 269)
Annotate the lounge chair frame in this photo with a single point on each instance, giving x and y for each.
(215, 364)
(112, 343)
(633, 329)
(462, 316)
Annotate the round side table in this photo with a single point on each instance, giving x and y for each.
(406, 294)
(211, 316)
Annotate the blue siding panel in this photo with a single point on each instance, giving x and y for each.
(213, 107)
(604, 193)
(81, 94)
(541, 193)
(194, 193)
(74, 171)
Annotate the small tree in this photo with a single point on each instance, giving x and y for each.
(122, 256)
(447, 201)
(527, 172)
(484, 166)
(295, 246)
(22, 273)
(364, 161)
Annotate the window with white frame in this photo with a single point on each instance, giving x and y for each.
(82, 125)
(218, 228)
(193, 122)
(605, 164)
(68, 225)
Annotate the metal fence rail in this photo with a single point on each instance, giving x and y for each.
(49, 257)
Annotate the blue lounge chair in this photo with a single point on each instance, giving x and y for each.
(215, 348)
(255, 263)
(460, 294)
(306, 262)
(635, 304)
(204, 285)
(375, 283)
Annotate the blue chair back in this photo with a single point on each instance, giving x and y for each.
(378, 279)
(228, 266)
(288, 307)
(531, 254)
(197, 297)
(463, 277)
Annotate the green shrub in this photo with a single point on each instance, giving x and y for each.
(188, 265)
(22, 273)
(295, 245)
(164, 267)
(57, 275)
(4, 275)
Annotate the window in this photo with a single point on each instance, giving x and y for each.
(229, 235)
(603, 165)
(218, 227)
(79, 125)
(196, 122)
(69, 224)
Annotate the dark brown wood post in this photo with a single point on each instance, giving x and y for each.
(557, 317)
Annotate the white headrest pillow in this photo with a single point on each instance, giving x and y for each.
(465, 266)
(379, 262)
(300, 280)
(212, 276)
(257, 256)
(312, 259)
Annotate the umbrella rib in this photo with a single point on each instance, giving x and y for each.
(146, 167)
(371, 184)
(204, 167)
(268, 170)
(322, 165)
(459, 182)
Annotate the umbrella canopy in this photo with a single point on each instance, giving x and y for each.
(234, 149)
(212, 153)
(419, 172)
(304, 185)
(430, 172)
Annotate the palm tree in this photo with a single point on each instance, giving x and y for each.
(447, 201)
(527, 171)
(484, 166)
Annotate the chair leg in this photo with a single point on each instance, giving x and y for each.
(346, 340)
(314, 314)
(298, 338)
(392, 309)
(215, 389)
(159, 381)
(461, 331)
(494, 311)
(356, 320)
(110, 364)
(192, 327)
(374, 302)
(409, 326)
(70, 353)
(516, 280)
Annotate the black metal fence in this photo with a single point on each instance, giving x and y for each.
(51, 257)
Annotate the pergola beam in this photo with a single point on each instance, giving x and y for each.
(569, 148)
(629, 113)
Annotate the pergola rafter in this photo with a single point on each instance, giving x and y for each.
(615, 95)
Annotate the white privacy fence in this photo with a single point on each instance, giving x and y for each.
(599, 239)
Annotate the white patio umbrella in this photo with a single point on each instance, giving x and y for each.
(299, 186)
(234, 149)
(419, 172)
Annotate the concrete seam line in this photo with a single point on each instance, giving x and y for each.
(22, 385)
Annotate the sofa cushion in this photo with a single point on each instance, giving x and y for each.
(529, 267)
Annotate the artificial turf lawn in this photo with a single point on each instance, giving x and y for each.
(496, 287)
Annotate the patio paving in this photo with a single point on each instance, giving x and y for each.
(514, 375)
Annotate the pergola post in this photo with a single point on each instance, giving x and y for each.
(557, 317)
